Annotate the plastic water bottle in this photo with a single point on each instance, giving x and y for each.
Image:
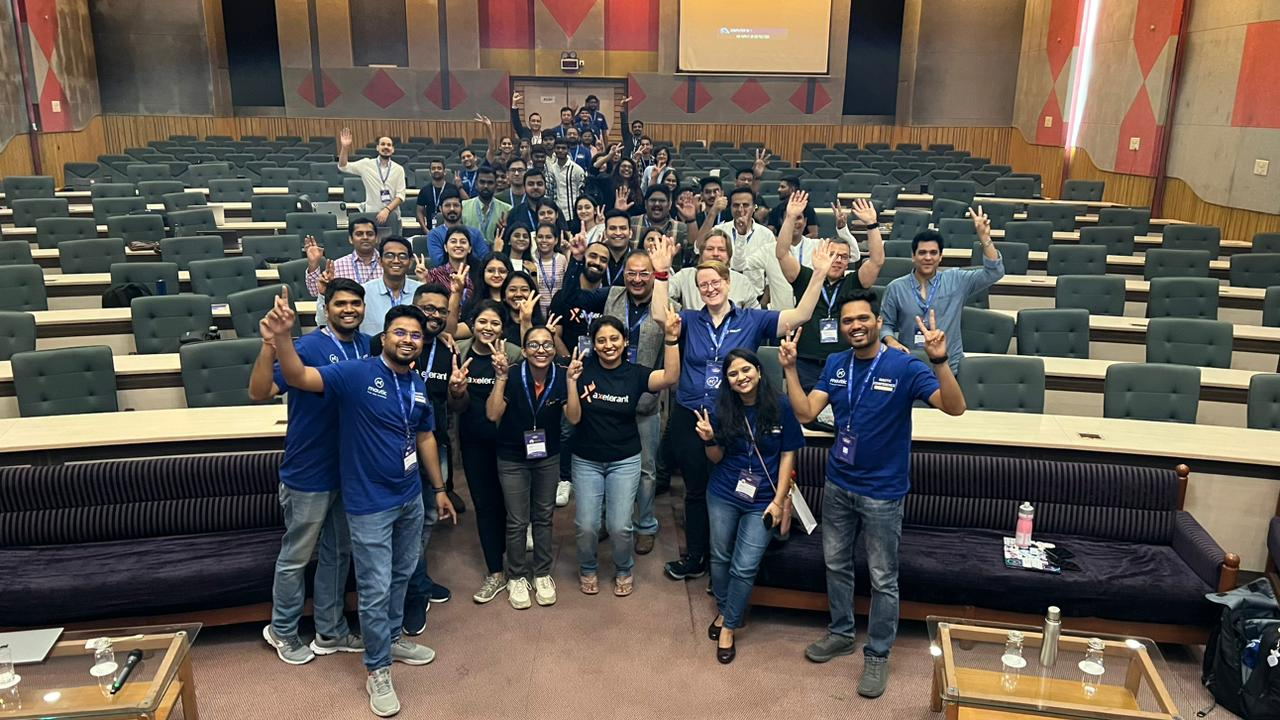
(1091, 668)
(1022, 533)
(162, 286)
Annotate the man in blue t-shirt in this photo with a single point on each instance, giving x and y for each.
(309, 497)
(385, 427)
(871, 391)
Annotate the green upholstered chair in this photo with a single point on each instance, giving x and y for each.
(26, 211)
(146, 273)
(136, 228)
(65, 381)
(1189, 341)
(1038, 235)
(223, 276)
(1053, 332)
(15, 252)
(1077, 260)
(22, 288)
(185, 249)
(51, 231)
(1137, 218)
(1014, 255)
(17, 332)
(1193, 237)
(159, 322)
(1085, 190)
(1006, 384)
(1063, 217)
(1117, 239)
(1183, 297)
(94, 255)
(1264, 402)
(18, 187)
(1151, 391)
(986, 331)
(1255, 270)
(216, 373)
(1164, 262)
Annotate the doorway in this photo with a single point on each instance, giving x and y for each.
(546, 97)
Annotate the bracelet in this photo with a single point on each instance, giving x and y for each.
(440, 489)
(661, 275)
(872, 226)
(938, 361)
(710, 443)
(671, 343)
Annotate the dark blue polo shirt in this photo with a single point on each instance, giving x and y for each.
(746, 329)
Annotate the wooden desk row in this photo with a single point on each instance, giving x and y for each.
(1116, 264)
(119, 321)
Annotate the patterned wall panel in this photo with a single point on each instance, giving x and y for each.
(13, 112)
(62, 62)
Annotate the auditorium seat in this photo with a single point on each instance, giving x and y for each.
(80, 175)
(15, 252)
(957, 232)
(894, 267)
(909, 222)
(1163, 262)
(216, 373)
(175, 201)
(897, 248)
(328, 172)
(1266, 242)
(219, 277)
(17, 333)
(18, 187)
(201, 175)
(1183, 297)
(1015, 187)
(1077, 260)
(316, 190)
(1255, 270)
(272, 208)
(51, 231)
(961, 191)
(943, 208)
(109, 207)
(145, 227)
(1014, 255)
(1193, 237)
(301, 224)
(185, 249)
(353, 189)
(1003, 384)
(277, 248)
(1271, 307)
(146, 273)
(1264, 402)
(1062, 217)
(249, 306)
(94, 255)
(1086, 190)
(985, 331)
(223, 190)
(65, 381)
(26, 211)
(22, 288)
(112, 190)
(193, 221)
(1137, 218)
(1117, 239)
(138, 172)
(153, 191)
(1149, 391)
(158, 322)
(886, 194)
(294, 274)
(1098, 294)
(1188, 341)
(1038, 236)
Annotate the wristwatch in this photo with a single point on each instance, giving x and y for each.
(938, 361)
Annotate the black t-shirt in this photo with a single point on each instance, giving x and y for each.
(427, 201)
(575, 306)
(608, 430)
(519, 417)
(473, 424)
(779, 212)
(810, 345)
(435, 372)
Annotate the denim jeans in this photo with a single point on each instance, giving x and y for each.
(420, 583)
(529, 492)
(611, 485)
(386, 546)
(844, 516)
(650, 435)
(738, 541)
(311, 518)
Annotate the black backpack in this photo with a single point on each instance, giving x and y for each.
(121, 295)
(1250, 613)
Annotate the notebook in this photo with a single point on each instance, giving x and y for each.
(1032, 557)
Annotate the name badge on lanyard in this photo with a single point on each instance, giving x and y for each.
(714, 369)
(584, 345)
(410, 447)
(748, 484)
(827, 326)
(385, 194)
(535, 440)
(535, 444)
(846, 445)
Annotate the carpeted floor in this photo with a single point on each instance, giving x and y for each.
(645, 656)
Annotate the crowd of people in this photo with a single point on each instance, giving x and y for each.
(577, 325)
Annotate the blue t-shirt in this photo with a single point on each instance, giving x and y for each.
(379, 416)
(310, 464)
(882, 461)
(698, 340)
(785, 436)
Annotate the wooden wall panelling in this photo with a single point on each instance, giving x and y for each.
(1136, 190)
(1181, 202)
(15, 156)
(1043, 159)
(85, 145)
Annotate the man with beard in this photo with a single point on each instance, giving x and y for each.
(750, 179)
(534, 129)
(394, 288)
(434, 365)
(632, 131)
(360, 265)
(383, 180)
(309, 490)
(595, 120)
(514, 194)
(451, 217)
(535, 188)
(871, 390)
(429, 197)
(753, 246)
(465, 179)
(569, 177)
(578, 150)
(385, 429)
(484, 212)
(657, 216)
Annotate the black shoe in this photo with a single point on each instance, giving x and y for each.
(415, 615)
(456, 499)
(686, 568)
(440, 593)
(713, 630)
(726, 655)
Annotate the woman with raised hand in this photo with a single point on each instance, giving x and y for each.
(527, 402)
(603, 392)
(487, 281)
(517, 245)
(751, 437)
(470, 385)
(588, 219)
(457, 250)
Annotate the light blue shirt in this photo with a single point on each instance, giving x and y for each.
(948, 292)
(378, 300)
(480, 249)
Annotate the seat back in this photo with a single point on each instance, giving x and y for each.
(1038, 235)
(22, 288)
(18, 187)
(1117, 239)
(1053, 332)
(249, 306)
(26, 211)
(1015, 187)
(272, 208)
(1264, 402)
(897, 248)
(223, 190)
(112, 190)
(1099, 294)
(944, 208)
(1255, 270)
(1005, 384)
(203, 174)
(110, 207)
(15, 252)
(328, 172)
(1063, 217)
(1077, 260)
(280, 176)
(1089, 190)
(17, 333)
(193, 221)
(1163, 262)
(909, 222)
(276, 248)
(985, 331)
(957, 232)
(302, 224)
(93, 255)
(154, 191)
(185, 249)
(859, 182)
(315, 190)
(294, 274)
(1137, 218)
(145, 227)
(146, 273)
(1265, 242)
(1148, 391)
(1000, 214)
(138, 172)
(1193, 237)
(1183, 297)
(1014, 255)
(223, 276)
(65, 381)
(175, 201)
(1271, 307)
(894, 267)
(217, 373)
(54, 230)
(1189, 341)
(159, 321)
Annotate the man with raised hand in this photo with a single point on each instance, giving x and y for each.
(928, 289)
(569, 177)
(361, 264)
(384, 188)
(451, 211)
(534, 130)
(871, 391)
(753, 246)
(310, 499)
(385, 428)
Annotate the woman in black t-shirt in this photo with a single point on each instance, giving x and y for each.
(606, 442)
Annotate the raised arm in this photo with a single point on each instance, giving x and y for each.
(516, 123)
(661, 257)
(344, 147)
(493, 136)
(277, 324)
(457, 287)
(800, 314)
(992, 263)
(806, 407)
(869, 272)
(262, 386)
(669, 375)
(948, 398)
(796, 204)
(496, 405)
(459, 398)
(707, 434)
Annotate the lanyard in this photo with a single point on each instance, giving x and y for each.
(355, 269)
(742, 238)
(529, 390)
(404, 290)
(404, 411)
(931, 295)
(511, 195)
(384, 177)
(634, 330)
(469, 181)
(549, 281)
(431, 359)
(533, 220)
(342, 348)
(854, 402)
(486, 218)
(754, 446)
(800, 251)
(435, 198)
(830, 299)
(716, 342)
(612, 277)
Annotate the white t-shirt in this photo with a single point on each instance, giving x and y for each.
(377, 178)
(753, 256)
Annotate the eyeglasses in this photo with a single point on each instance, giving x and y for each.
(844, 257)
(401, 334)
(637, 274)
(395, 256)
(536, 346)
(710, 285)
(433, 310)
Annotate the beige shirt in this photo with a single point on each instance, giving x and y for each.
(376, 179)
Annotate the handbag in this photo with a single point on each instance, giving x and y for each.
(799, 506)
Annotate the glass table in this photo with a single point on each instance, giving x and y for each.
(74, 680)
(975, 677)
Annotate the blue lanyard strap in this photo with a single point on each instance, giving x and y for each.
(431, 359)
(717, 341)
(529, 390)
(404, 411)
(355, 349)
(634, 329)
(384, 177)
(931, 295)
(548, 281)
(830, 298)
(871, 371)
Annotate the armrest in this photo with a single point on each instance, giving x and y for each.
(1201, 552)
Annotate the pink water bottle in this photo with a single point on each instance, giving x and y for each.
(1022, 534)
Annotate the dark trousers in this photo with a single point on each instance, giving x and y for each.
(689, 454)
(480, 463)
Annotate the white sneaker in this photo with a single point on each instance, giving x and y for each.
(545, 590)
(382, 694)
(518, 592)
(563, 492)
(528, 539)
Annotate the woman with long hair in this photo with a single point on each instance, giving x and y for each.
(751, 438)
(517, 245)
(487, 281)
(588, 219)
(549, 263)
(626, 188)
(548, 212)
(520, 299)
(457, 249)
(657, 173)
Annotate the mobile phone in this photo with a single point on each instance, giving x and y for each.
(767, 519)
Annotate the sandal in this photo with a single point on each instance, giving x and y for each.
(589, 584)
(622, 586)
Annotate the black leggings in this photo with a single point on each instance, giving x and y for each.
(481, 466)
(690, 456)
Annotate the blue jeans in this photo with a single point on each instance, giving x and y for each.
(386, 546)
(738, 541)
(650, 435)
(844, 516)
(420, 583)
(311, 518)
(611, 485)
